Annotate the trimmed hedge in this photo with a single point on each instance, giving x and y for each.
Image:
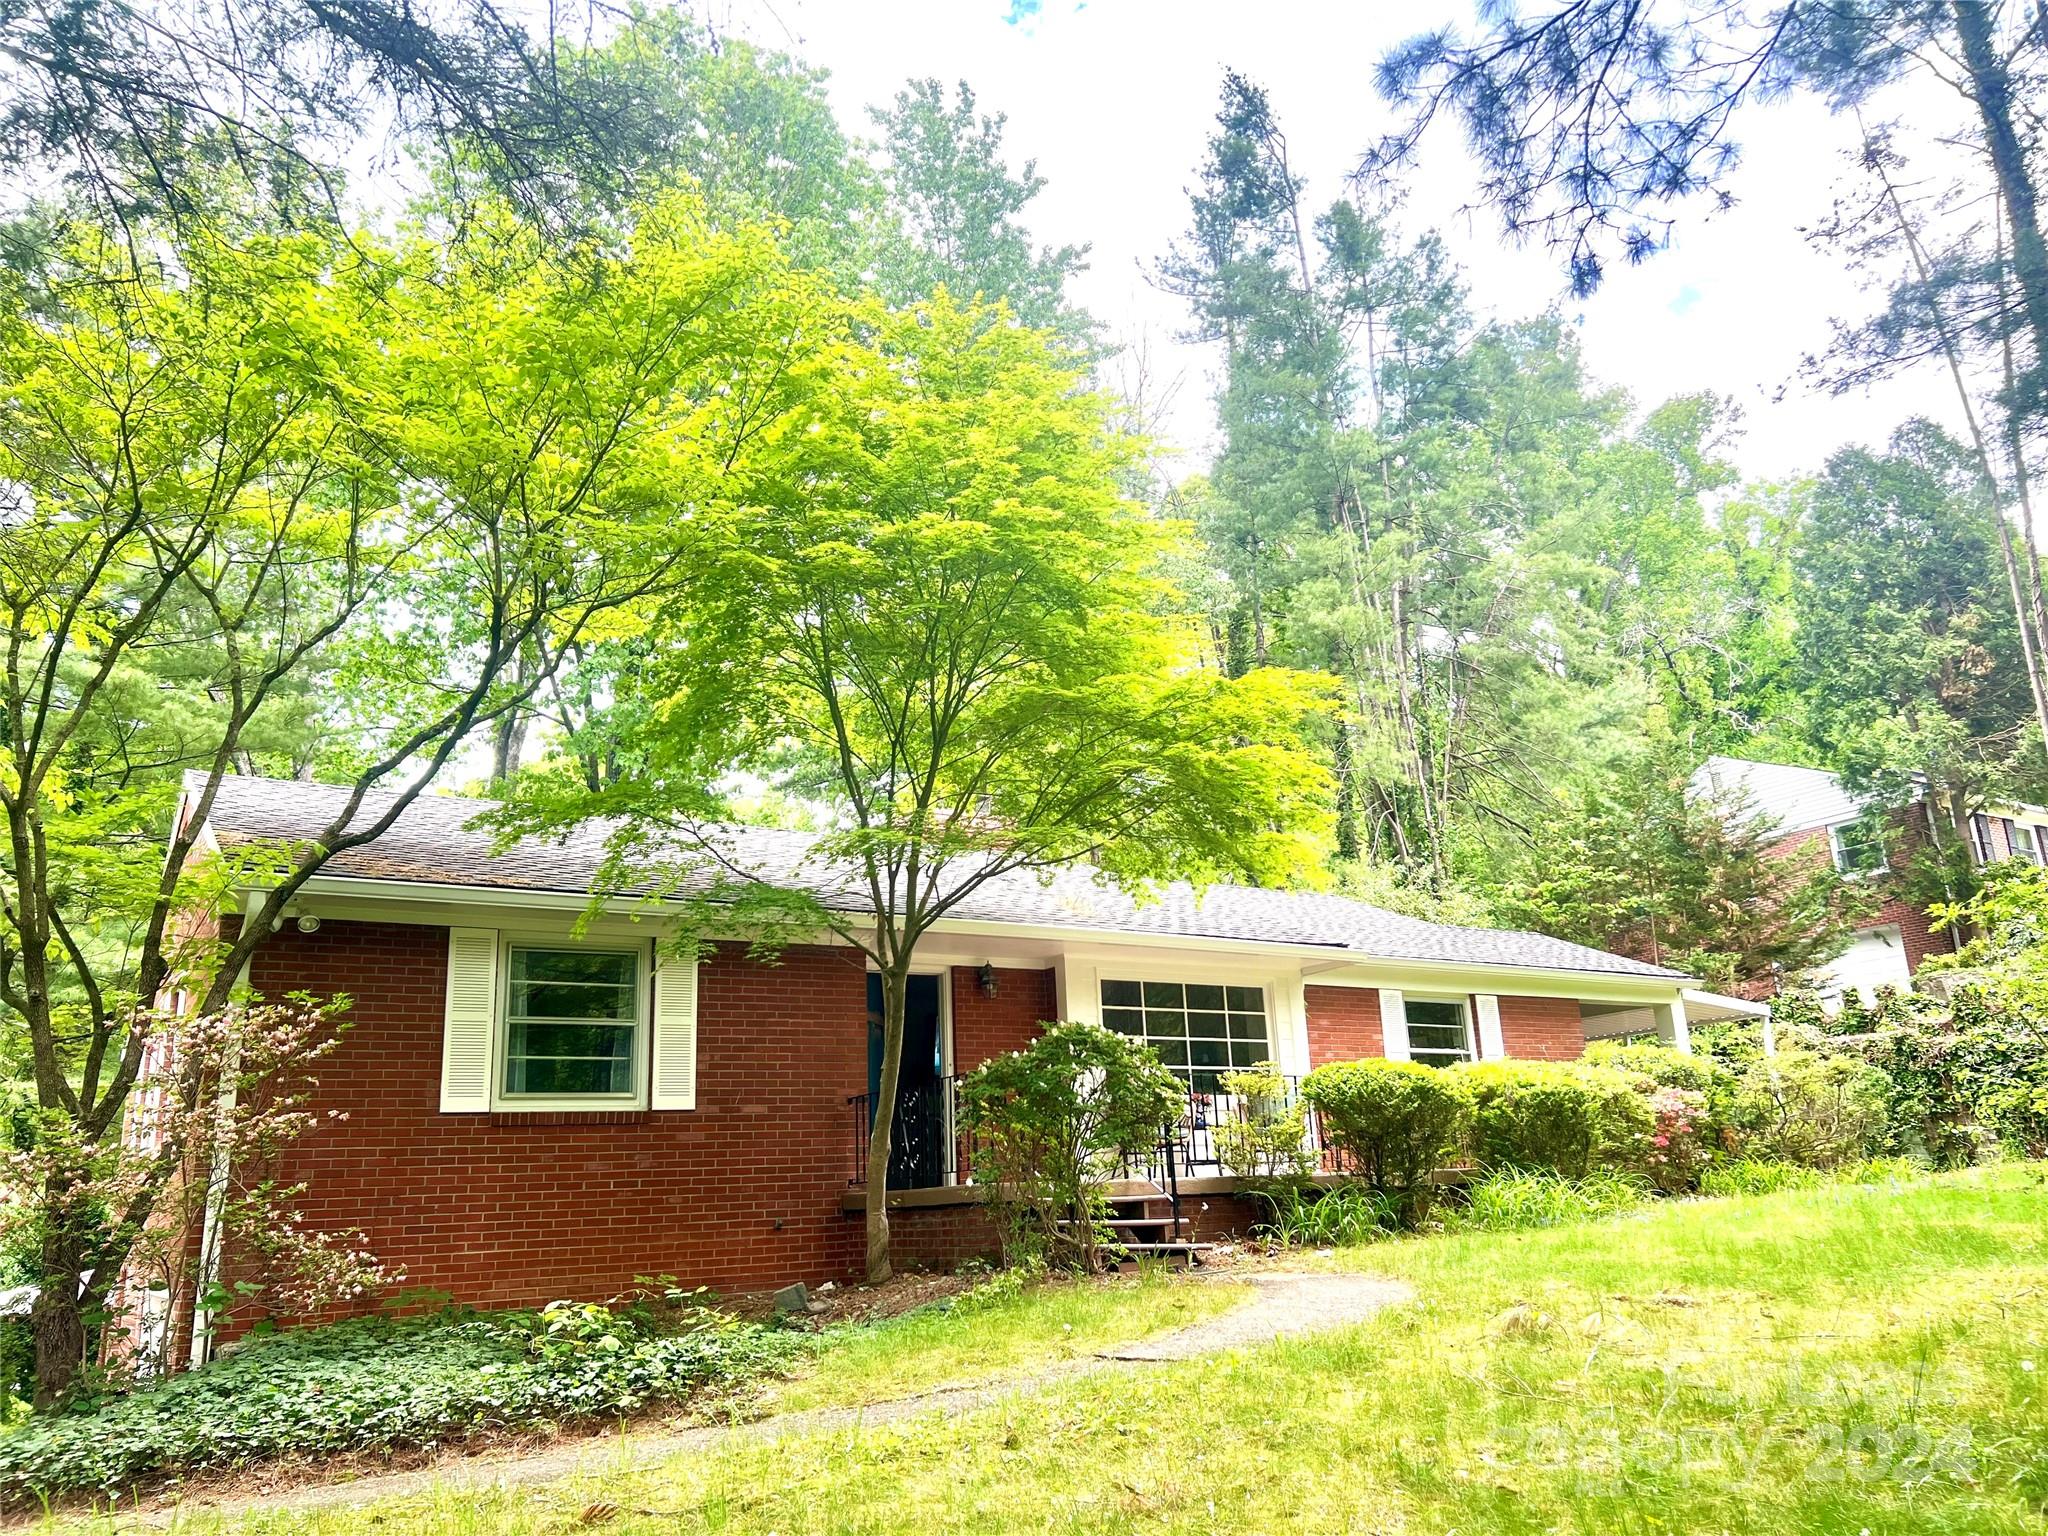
(1563, 1117)
(1399, 1120)
(376, 1384)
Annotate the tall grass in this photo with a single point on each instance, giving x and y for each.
(1523, 1199)
(1754, 1176)
(1340, 1217)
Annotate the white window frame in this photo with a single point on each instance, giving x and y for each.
(1835, 846)
(2032, 854)
(1147, 974)
(1437, 1056)
(501, 1026)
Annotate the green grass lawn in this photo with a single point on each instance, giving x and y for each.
(1845, 1359)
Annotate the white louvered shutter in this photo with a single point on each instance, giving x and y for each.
(674, 1076)
(1491, 1047)
(1393, 1025)
(466, 1028)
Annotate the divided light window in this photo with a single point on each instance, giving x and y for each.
(2026, 843)
(1859, 846)
(572, 1022)
(1199, 1031)
(1439, 1032)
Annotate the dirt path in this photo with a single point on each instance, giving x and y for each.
(1282, 1305)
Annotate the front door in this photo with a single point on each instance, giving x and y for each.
(918, 1138)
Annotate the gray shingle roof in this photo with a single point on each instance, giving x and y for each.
(433, 843)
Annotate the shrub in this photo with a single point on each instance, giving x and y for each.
(1518, 1199)
(377, 1383)
(1053, 1124)
(1678, 1150)
(1697, 1073)
(1819, 1111)
(1568, 1118)
(1269, 1140)
(1397, 1120)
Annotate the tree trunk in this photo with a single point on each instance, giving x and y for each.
(1991, 89)
(57, 1320)
(895, 996)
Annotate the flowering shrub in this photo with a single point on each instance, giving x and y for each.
(380, 1383)
(1677, 1150)
(217, 1098)
(1052, 1125)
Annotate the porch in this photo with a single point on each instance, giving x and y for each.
(934, 1150)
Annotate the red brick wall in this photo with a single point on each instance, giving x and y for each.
(1541, 1028)
(741, 1193)
(1916, 935)
(1025, 1002)
(1343, 1024)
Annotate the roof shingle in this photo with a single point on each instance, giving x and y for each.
(434, 843)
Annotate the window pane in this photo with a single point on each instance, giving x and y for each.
(570, 1000)
(1244, 1026)
(1247, 1053)
(1210, 998)
(541, 1074)
(1209, 1053)
(1423, 1011)
(572, 1017)
(1435, 1037)
(1125, 1021)
(613, 1042)
(609, 969)
(1208, 1026)
(1174, 1053)
(1247, 999)
(1162, 994)
(1121, 994)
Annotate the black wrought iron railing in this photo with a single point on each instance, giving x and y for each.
(931, 1146)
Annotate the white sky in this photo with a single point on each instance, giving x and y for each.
(1115, 100)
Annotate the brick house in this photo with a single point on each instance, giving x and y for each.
(534, 1110)
(1815, 817)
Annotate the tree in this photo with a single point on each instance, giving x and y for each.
(139, 105)
(1591, 118)
(959, 204)
(942, 628)
(1641, 866)
(1907, 652)
(306, 493)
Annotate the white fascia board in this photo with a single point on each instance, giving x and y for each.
(1703, 1007)
(1425, 977)
(342, 896)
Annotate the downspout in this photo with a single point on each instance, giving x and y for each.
(217, 1175)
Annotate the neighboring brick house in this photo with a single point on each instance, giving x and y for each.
(1815, 817)
(534, 1109)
